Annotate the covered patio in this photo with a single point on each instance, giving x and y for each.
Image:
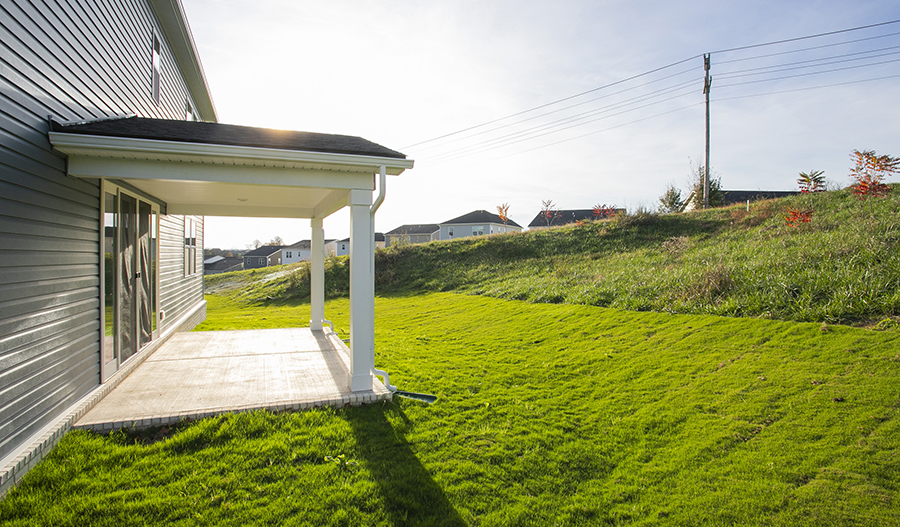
(197, 375)
(213, 169)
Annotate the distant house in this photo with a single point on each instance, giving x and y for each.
(222, 264)
(417, 233)
(558, 218)
(265, 256)
(342, 247)
(302, 251)
(733, 197)
(476, 223)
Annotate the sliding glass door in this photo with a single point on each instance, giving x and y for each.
(131, 248)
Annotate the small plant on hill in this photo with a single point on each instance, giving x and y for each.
(503, 212)
(797, 216)
(812, 181)
(604, 211)
(670, 202)
(716, 198)
(809, 182)
(869, 173)
(548, 211)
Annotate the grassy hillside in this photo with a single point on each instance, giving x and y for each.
(547, 415)
(842, 267)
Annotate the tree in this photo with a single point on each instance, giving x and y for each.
(276, 241)
(670, 202)
(869, 173)
(548, 211)
(716, 198)
(503, 212)
(255, 244)
(812, 181)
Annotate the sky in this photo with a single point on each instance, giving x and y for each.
(405, 72)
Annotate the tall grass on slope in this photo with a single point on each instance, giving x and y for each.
(842, 267)
(547, 415)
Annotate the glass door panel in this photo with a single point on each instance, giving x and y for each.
(127, 294)
(144, 276)
(110, 245)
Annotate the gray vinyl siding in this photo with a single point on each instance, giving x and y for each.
(178, 293)
(74, 60)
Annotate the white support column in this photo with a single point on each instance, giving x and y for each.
(362, 292)
(317, 275)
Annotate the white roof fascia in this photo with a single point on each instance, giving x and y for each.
(169, 151)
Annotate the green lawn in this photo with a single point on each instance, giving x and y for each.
(548, 414)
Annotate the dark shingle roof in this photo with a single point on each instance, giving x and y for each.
(565, 217)
(265, 250)
(227, 134)
(480, 216)
(224, 263)
(418, 228)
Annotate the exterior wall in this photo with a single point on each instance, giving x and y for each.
(464, 230)
(178, 291)
(304, 255)
(73, 61)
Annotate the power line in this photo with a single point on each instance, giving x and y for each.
(596, 114)
(797, 39)
(682, 72)
(767, 55)
(736, 73)
(810, 73)
(556, 101)
(805, 88)
(578, 117)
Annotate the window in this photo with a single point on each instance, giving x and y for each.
(155, 63)
(287, 254)
(190, 246)
(450, 231)
(262, 262)
(189, 114)
(477, 230)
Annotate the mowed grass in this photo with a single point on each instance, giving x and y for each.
(548, 414)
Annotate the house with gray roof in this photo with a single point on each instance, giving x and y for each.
(412, 233)
(342, 247)
(302, 251)
(476, 223)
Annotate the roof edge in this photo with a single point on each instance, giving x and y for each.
(69, 143)
(173, 20)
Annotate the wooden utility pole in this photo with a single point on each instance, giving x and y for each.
(707, 84)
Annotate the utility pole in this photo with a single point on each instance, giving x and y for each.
(707, 84)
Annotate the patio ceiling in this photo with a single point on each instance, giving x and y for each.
(213, 169)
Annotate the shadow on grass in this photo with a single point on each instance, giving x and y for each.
(410, 494)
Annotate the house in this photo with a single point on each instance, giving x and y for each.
(557, 218)
(103, 204)
(413, 233)
(476, 223)
(302, 251)
(222, 264)
(265, 256)
(342, 247)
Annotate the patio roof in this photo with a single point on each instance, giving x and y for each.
(215, 169)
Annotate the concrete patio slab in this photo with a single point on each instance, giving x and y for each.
(196, 375)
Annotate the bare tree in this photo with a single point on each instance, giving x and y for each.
(276, 241)
(548, 211)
